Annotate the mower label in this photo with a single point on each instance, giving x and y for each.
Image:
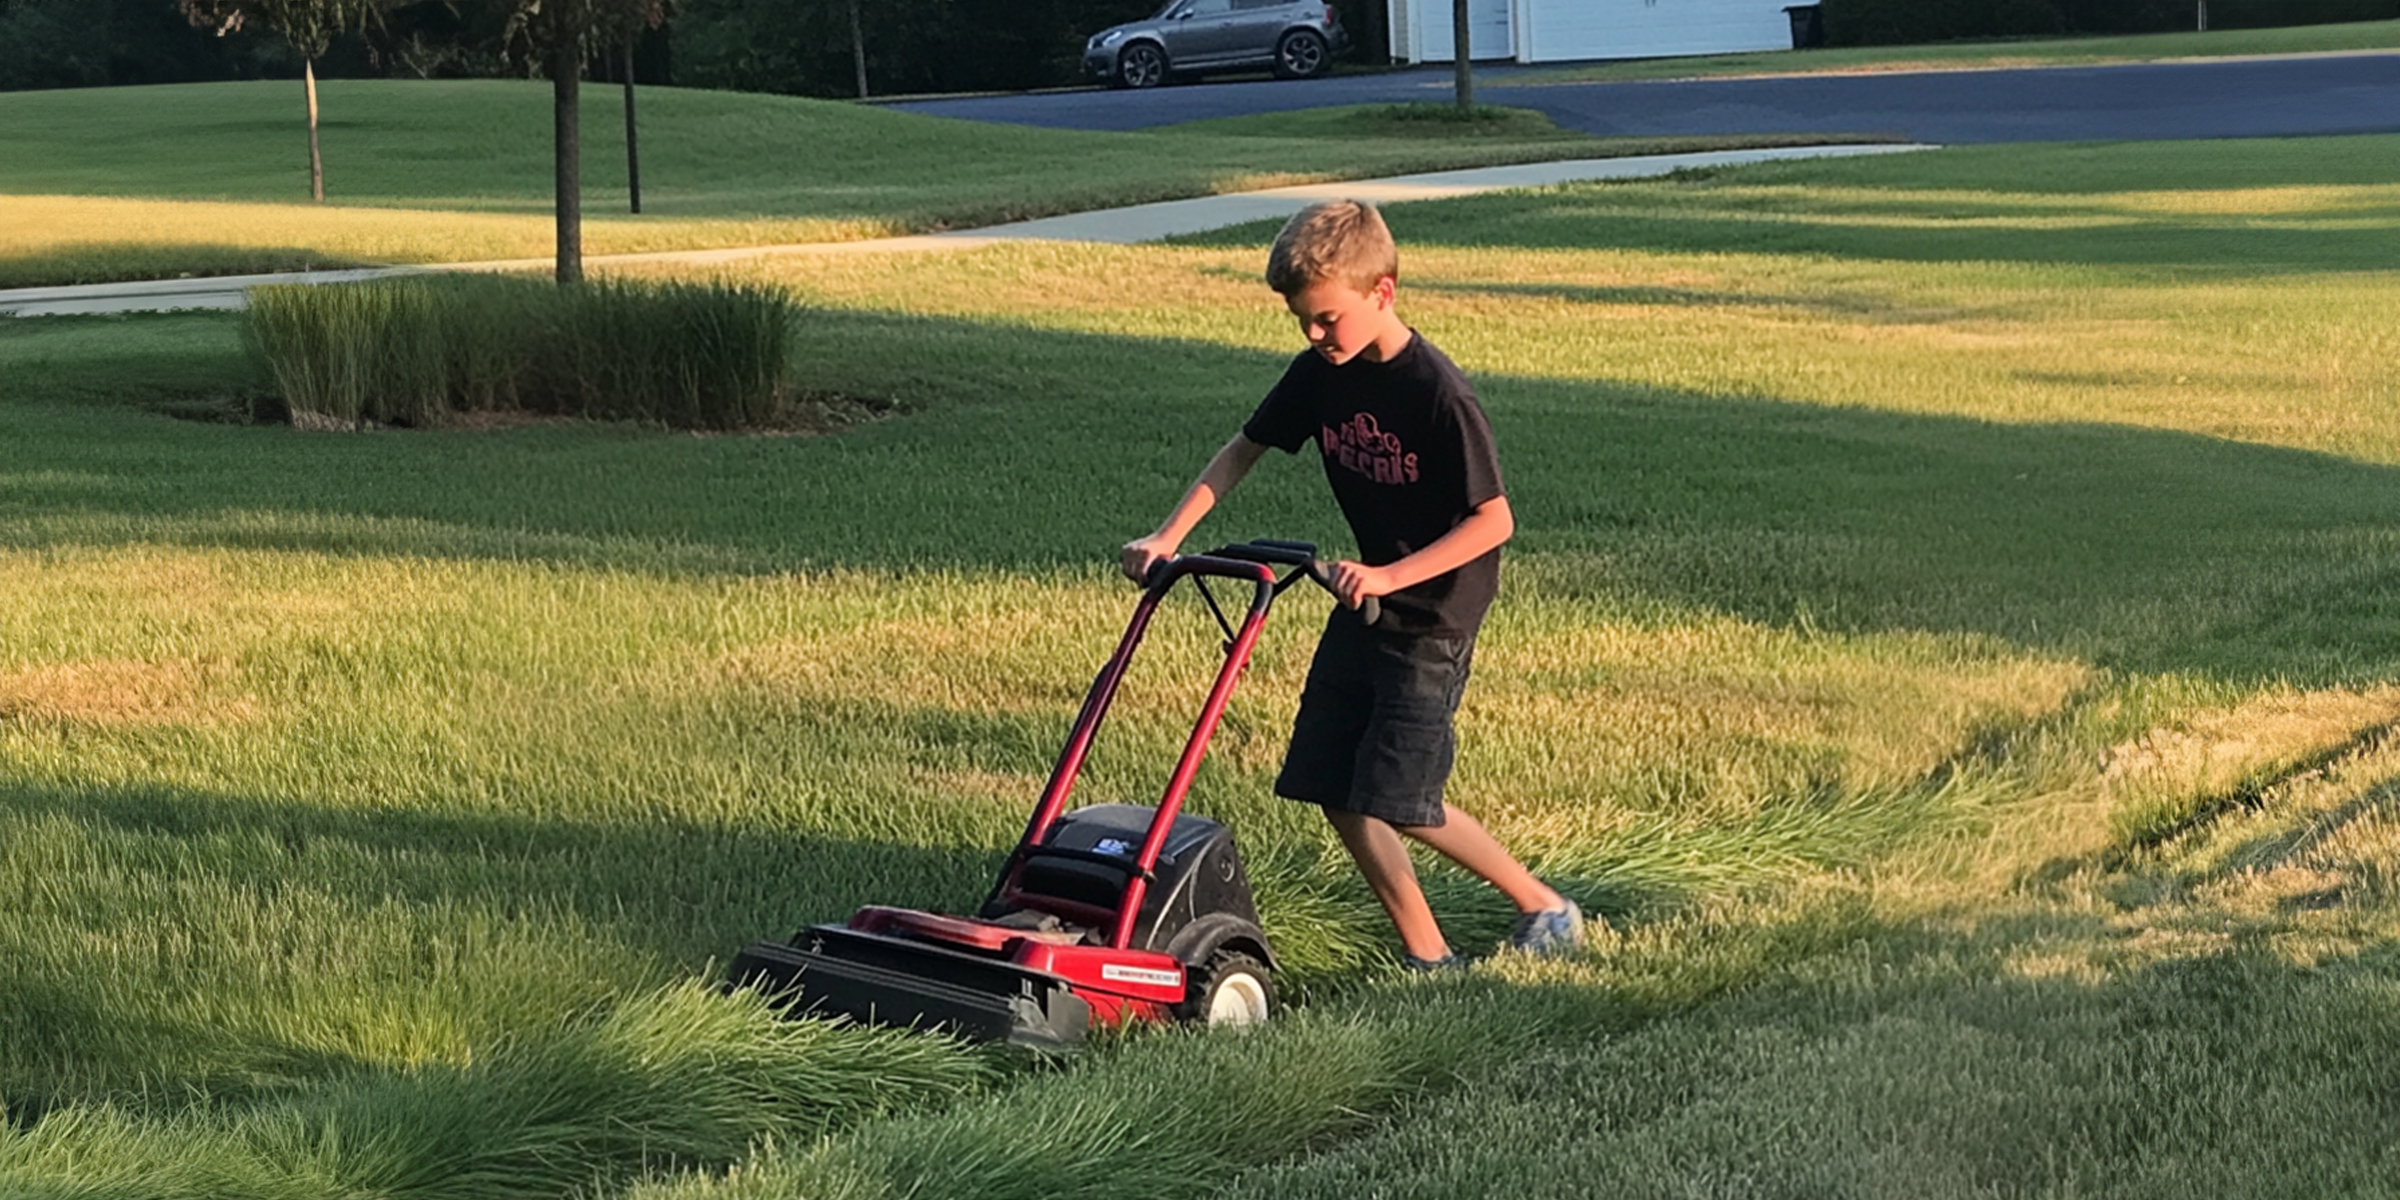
(1122, 974)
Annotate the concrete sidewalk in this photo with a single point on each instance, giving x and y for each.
(1139, 223)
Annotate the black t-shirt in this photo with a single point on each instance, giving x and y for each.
(1409, 455)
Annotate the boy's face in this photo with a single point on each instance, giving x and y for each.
(1340, 321)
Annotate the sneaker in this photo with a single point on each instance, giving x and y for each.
(1432, 966)
(1551, 931)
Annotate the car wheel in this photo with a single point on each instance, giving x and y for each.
(1141, 65)
(1233, 989)
(1300, 55)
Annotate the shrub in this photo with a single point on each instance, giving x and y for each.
(416, 351)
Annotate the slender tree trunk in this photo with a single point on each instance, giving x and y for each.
(2204, 16)
(1462, 52)
(858, 48)
(633, 149)
(566, 98)
(316, 156)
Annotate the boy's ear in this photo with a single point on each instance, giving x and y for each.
(1386, 288)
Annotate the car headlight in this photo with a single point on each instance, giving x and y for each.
(1110, 38)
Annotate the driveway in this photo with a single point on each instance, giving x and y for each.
(2223, 98)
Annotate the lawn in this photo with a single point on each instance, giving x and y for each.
(2349, 38)
(1951, 635)
(106, 184)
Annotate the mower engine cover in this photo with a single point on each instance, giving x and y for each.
(1198, 902)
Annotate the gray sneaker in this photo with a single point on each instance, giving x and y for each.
(1444, 965)
(1551, 931)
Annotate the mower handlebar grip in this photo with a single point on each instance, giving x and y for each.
(1370, 609)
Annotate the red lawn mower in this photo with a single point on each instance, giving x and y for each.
(1108, 914)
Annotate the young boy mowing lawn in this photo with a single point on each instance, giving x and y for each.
(1411, 461)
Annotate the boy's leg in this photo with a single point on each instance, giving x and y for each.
(1383, 859)
(1463, 840)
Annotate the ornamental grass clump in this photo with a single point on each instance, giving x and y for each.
(417, 352)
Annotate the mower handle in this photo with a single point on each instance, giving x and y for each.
(1291, 554)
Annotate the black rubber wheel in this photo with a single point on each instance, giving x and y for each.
(1141, 65)
(1301, 55)
(1233, 989)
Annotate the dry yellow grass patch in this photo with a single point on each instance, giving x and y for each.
(2270, 735)
(121, 692)
(77, 226)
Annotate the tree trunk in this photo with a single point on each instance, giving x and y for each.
(1462, 52)
(858, 48)
(316, 156)
(633, 146)
(566, 98)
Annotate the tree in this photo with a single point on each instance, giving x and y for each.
(558, 37)
(309, 25)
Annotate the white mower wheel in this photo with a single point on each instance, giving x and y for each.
(1234, 989)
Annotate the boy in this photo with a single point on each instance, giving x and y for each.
(1411, 462)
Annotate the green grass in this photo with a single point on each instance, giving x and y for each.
(1949, 634)
(136, 183)
(2354, 37)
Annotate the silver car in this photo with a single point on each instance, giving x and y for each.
(1295, 38)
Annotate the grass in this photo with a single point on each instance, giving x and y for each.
(1949, 635)
(2352, 37)
(157, 182)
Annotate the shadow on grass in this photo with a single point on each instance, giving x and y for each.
(2063, 206)
(1919, 1061)
(79, 263)
(375, 898)
(2147, 550)
(1668, 218)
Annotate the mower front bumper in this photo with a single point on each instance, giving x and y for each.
(832, 970)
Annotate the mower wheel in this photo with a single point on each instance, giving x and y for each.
(1233, 989)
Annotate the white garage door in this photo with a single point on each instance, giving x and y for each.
(1564, 30)
(1490, 29)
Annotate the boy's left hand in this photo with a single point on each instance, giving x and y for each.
(1353, 582)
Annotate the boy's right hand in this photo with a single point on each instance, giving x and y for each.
(1141, 553)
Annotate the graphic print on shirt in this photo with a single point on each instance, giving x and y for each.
(1360, 444)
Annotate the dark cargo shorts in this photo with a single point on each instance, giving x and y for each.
(1375, 732)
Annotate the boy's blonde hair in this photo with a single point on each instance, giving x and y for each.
(1342, 240)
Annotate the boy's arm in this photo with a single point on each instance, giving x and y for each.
(1489, 525)
(1231, 463)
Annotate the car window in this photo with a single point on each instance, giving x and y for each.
(1166, 10)
(1209, 8)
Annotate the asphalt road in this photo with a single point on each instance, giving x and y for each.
(2267, 97)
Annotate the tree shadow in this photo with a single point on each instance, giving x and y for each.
(1752, 215)
(666, 894)
(1939, 1057)
(2142, 549)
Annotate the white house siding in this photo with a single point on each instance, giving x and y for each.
(1565, 30)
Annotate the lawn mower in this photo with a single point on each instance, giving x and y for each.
(1105, 915)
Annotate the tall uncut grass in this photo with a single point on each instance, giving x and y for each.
(415, 351)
